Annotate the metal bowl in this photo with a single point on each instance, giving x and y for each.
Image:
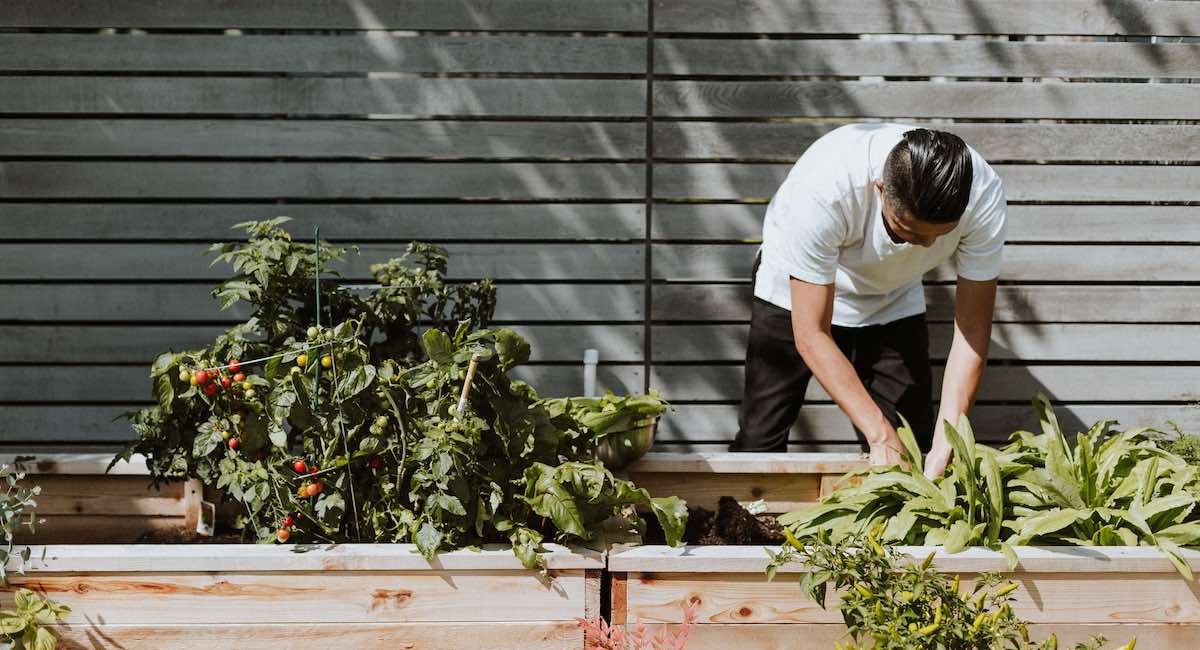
(619, 449)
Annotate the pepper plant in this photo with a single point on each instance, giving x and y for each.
(356, 433)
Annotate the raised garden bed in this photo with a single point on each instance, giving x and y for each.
(353, 595)
(784, 482)
(82, 503)
(1074, 592)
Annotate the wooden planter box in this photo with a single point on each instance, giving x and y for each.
(207, 596)
(81, 503)
(784, 482)
(1071, 591)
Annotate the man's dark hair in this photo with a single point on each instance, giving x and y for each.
(928, 175)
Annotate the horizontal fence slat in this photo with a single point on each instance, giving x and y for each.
(825, 423)
(321, 138)
(785, 142)
(1026, 223)
(1022, 262)
(141, 344)
(131, 384)
(243, 180)
(339, 222)
(960, 99)
(169, 303)
(116, 261)
(1141, 342)
(1046, 304)
(322, 96)
(1107, 183)
(616, 15)
(999, 384)
(364, 52)
(837, 57)
(927, 16)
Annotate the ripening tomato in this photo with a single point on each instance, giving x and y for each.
(235, 366)
(302, 360)
(326, 361)
(314, 488)
(283, 535)
(239, 377)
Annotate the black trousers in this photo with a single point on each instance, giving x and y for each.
(892, 360)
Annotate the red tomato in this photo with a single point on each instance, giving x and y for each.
(210, 389)
(235, 365)
(376, 463)
(233, 443)
(226, 382)
(287, 521)
(239, 377)
(300, 467)
(202, 377)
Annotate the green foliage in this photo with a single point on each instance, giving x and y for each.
(1112, 488)
(889, 602)
(16, 510)
(611, 413)
(22, 628)
(373, 404)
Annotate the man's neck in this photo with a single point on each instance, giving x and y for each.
(890, 232)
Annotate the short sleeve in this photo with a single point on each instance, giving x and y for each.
(980, 251)
(803, 236)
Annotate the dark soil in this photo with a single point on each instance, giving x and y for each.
(730, 525)
(185, 535)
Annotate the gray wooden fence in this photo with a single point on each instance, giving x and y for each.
(607, 162)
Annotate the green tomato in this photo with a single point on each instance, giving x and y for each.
(381, 421)
(313, 332)
(249, 393)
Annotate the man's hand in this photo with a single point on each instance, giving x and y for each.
(885, 454)
(936, 461)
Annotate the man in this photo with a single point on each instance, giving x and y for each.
(862, 216)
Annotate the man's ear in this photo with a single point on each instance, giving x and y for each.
(879, 184)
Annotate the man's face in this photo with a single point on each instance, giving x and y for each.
(905, 226)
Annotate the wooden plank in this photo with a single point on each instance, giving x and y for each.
(951, 58)
(1134, 561)
(323, 139)
(357, 180)
(928, 16)
(523, 15)
(346, 559)
(1044, 598)
(746, 463)
(363, 222)
(777, 636)
(25, 424)
(549, 635)
(107, 495)
(825, 424)
(328, 54)
(149, 303)
(1037, 303)
(51, 464)
(725, 181)
(1026, 223)
(1022, 262)
(784, 142)
(778, 492)
(185, 262)
(297, 96)
(138, 344)
(1043, 342)
(326, 595)
(962, 99)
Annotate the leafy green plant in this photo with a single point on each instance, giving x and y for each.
(611, 413)
(16, 510)
(355, 432)
(23, 628)
(1111, 488)
(890, 602)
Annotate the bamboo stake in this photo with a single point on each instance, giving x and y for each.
(462, 399)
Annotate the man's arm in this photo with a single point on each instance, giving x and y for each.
(812, 316)
(973, 305)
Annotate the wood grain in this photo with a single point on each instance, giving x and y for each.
(778, 492)
(927, 16)
(548, 635)
(328, 596)
(328, 54)
(746, 463)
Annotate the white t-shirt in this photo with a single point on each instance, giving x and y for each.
(825, 225)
